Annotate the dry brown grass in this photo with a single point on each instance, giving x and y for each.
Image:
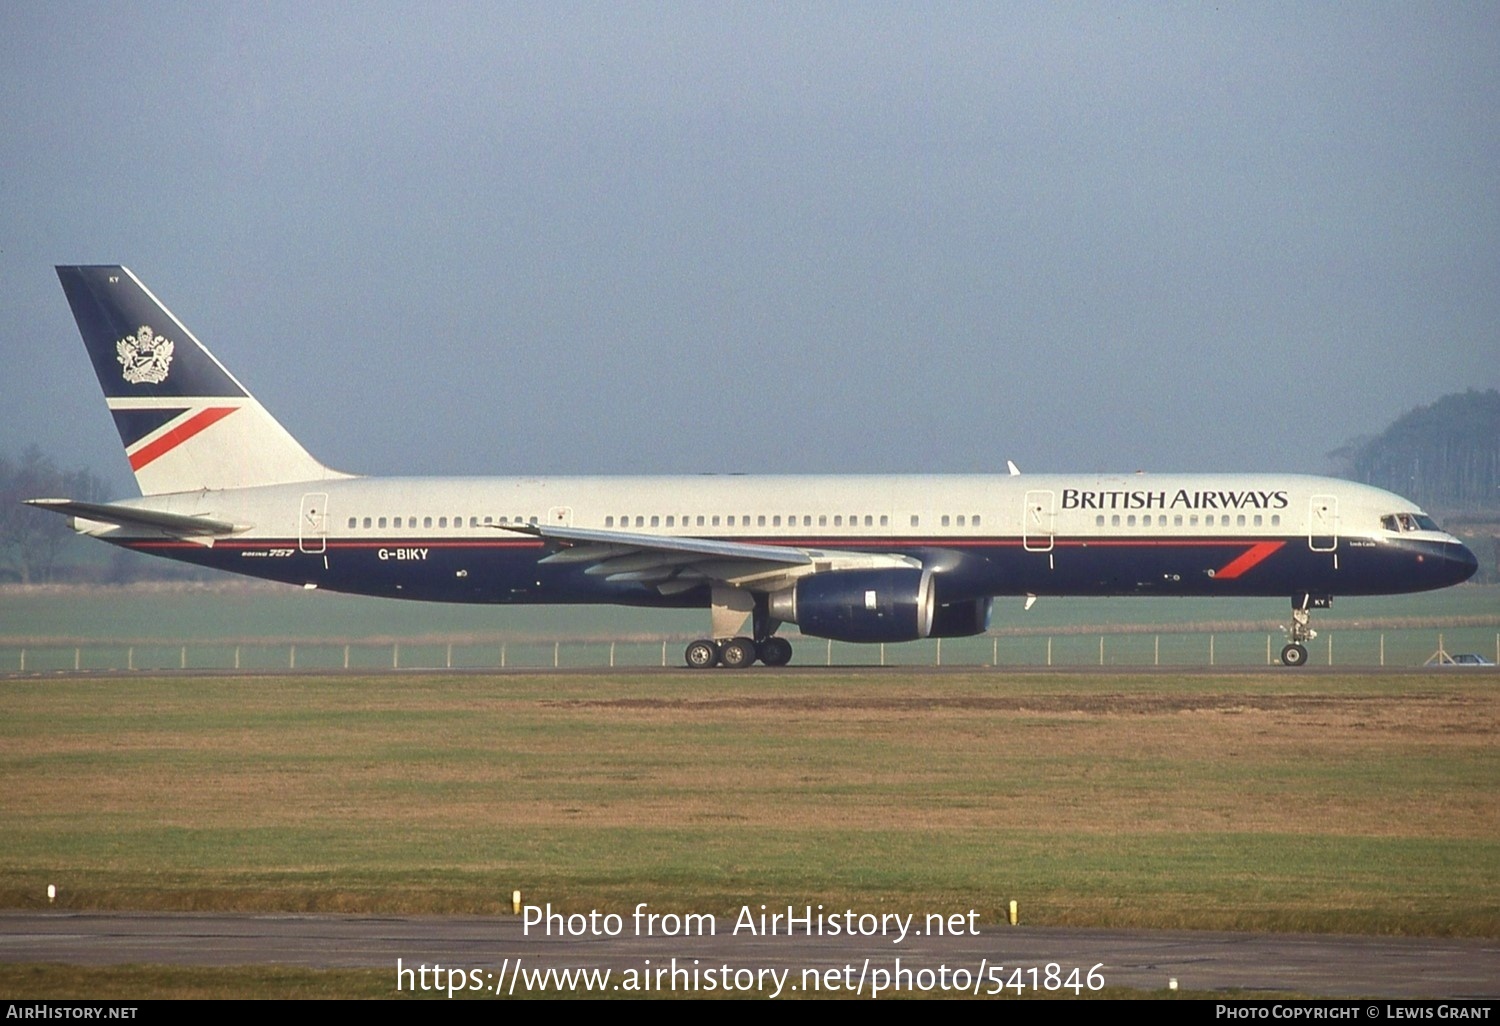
(434, 786)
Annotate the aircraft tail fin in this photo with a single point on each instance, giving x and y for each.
(187, 424)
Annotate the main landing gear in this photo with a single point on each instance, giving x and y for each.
(731, 607)
(1294, 653)
(738, 653)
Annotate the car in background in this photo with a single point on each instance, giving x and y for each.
(1441, 658)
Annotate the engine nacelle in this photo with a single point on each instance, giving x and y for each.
(961, 619)
(860, 605)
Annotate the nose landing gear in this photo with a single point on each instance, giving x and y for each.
(1294, 653)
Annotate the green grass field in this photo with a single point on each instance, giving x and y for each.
(1346, 804)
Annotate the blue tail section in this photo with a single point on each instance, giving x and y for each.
(185, 421)
(138, 348)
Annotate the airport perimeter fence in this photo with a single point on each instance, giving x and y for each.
(1412, 648)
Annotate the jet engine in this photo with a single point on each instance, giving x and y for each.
(861, 605)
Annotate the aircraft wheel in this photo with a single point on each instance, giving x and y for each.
(737, 653)
(1293, 655)
(775, 651)
(702, 655)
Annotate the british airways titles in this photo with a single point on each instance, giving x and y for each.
(1083, 498)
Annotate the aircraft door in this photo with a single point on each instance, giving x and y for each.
(312, 523)
(1039, 520)
(560, 516)
(1323, 523)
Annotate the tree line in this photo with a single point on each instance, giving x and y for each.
(1444, 456)
(38, 547)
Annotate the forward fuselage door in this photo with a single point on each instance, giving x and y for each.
(1039, 520)
(1323, 523)
(312, 523)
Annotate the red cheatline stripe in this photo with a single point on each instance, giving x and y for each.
(179, 434)
(1251, 557)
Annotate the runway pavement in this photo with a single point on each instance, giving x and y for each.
(490, 950)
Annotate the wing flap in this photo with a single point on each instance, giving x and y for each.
(673, 564)
(624, 541)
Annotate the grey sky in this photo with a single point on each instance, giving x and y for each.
(604, 238)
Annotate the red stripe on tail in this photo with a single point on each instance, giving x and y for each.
(179, 434)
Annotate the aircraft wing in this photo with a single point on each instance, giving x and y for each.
(180, 525)
(675, 564)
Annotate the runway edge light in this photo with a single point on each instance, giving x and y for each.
(515, 902)
(1015, 912)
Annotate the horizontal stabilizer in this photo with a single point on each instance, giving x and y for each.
(181, 525)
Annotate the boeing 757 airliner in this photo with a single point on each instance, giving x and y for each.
(852, 558)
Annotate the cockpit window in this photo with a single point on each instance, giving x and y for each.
(1403, 522)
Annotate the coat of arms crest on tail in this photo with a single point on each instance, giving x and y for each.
(146, 356)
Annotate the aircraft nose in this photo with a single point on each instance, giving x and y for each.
(1463, 561)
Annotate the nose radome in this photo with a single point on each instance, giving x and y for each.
(1465, 563)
